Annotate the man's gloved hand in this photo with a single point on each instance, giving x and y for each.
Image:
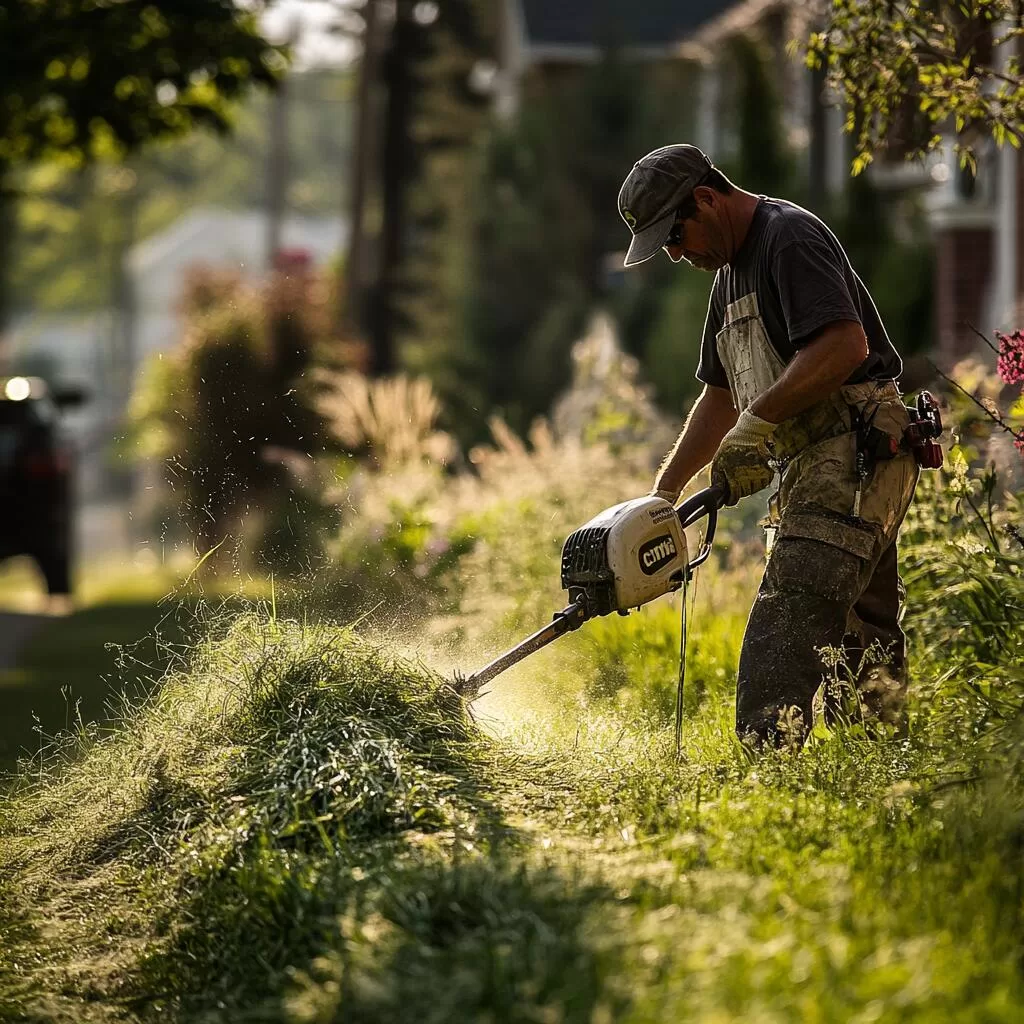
(740, 466)
(660, 492)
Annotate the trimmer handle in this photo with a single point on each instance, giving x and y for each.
(703, 503)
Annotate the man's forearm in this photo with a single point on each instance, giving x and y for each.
(710, 419)
(814, 372)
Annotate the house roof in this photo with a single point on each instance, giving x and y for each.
(236, 237)
(584, 24)
(217, 237)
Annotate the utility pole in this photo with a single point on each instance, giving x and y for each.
(278, 161)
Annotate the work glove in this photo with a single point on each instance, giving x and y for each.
(660, 492)
(740, 466)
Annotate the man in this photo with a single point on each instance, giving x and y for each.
(799, 377)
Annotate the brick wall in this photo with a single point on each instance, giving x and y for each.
(1019, 284)
(963, 269)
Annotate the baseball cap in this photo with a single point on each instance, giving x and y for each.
(654, 190)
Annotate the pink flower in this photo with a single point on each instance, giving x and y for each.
(1018, 442)
(1010, 364)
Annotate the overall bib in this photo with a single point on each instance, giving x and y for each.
(831, 578)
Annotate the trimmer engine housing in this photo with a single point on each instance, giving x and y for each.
(628, 555)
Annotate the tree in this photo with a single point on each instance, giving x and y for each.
(81, 79)
(905, 71)
(539, 223)
(416, 77)
(69, 218)
(423, 296)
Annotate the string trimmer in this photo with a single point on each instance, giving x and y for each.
(624, 557)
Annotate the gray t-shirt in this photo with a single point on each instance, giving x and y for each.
(803, 281)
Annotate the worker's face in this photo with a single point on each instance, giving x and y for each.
(700, 239)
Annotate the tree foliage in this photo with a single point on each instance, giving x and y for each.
(72, 221)
(83, 78)
(435, 112)
(539, 222)
(907, 71)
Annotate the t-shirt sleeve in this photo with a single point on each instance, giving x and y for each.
(710, 369)
(811, 280)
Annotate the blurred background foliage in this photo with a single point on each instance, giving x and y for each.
(90, 80)
(489, 240)
(231, 415)
(74, 223)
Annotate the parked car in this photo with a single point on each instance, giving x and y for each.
(36, 473)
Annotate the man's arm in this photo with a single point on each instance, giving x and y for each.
(814, 372)
(709, 421)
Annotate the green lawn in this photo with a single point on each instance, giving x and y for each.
(125, 630)
(304, 828)
(73, 666)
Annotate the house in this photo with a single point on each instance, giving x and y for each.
(219, 238)
(976, 224)
(538, 39)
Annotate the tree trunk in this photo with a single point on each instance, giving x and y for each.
(350, 313)
(817, 150)
(397, 167)
(8, 223)
(277, 171)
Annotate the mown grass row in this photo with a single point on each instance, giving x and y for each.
(197, 840)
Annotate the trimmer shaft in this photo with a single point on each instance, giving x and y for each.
(569, 618)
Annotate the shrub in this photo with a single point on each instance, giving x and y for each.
(226, 410)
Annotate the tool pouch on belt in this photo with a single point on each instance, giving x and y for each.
(873, 410)
(823, 420)
(841, 476)
(900, 429)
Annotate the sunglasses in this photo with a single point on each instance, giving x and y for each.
(676, 235)
(683, 214)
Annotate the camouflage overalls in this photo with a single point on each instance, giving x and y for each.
(831, 577)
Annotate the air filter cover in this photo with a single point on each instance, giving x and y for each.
(628, 555)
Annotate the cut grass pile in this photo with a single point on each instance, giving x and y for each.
(186, 851)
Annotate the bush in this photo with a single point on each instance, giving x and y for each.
(227, 410)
